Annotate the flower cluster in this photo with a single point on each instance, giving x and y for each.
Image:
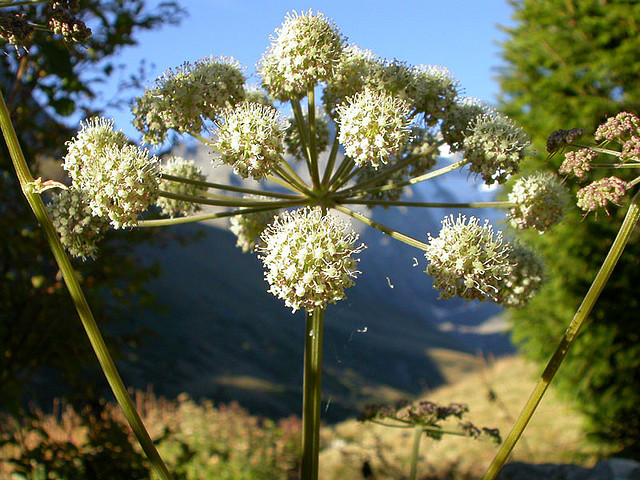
(468, 259)
(185, 169)
(578, 162)
(250, 137)
(602, 192)
(561, 138)
(120, 180)
(525, 279)
(455, 125)
(15, 29)
(79, 230)
(355, 67)
(494, 147)
(435, 92)
(619, 128)
(181, 100)
(426, 414)
(308, 257)
(64, 22)
(249, 227)
(304, 52)
(373, 126)
(631, 150)
(540, 202)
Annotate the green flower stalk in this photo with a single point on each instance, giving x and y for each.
(186, 170)
(77, 295)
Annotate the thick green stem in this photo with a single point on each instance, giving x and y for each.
(312, 395)
(383, 228)
(626, 229)
(79, 300)
(286, 167)
(415, 452)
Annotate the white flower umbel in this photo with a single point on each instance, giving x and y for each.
(467, 259)
(373, 126)
(494, 147)
(79, 230)
(249, 227)
(304, 52)
(435, 92)
(250, 137)
(308, 257)
(187, 169)
(355, 68)
(120, 180)
(524, 280)
(455, 125)
(94, 136)
(541, 202)
(182, 99)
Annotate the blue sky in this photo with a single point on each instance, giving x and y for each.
(461, 35)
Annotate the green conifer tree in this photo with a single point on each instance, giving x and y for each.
(572, 63)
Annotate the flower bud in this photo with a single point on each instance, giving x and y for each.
(249, 227)
(524, 280)
(578, 162)
(619, 128)
(435, 92)
(602, 192)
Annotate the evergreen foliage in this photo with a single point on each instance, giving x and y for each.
(572, 64)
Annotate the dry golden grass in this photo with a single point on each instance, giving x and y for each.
(495, 394)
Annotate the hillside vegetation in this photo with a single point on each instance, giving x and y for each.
(202, 440)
